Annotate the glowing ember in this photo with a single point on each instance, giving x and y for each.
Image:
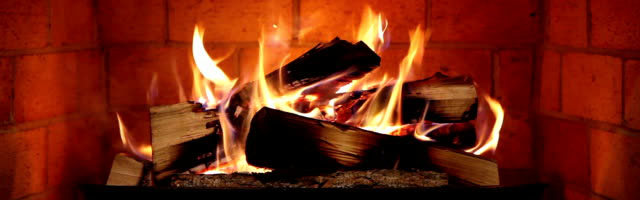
(142, 151)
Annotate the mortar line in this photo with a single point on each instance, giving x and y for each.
(49, 25)
(593, 124)
(622, 92)
(495, 73)
(295, 12)
(167, 38)
(559, 84)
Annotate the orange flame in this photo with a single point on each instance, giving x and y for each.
(490, 143)
(206, 72)
(142, 152)
(372, 29)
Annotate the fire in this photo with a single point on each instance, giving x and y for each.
(387, 119)
(372, 29)
(206, 73)
(142, 151)
(490, 143)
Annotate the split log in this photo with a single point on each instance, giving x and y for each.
(379, 179)
(465, 166)
(126, 171)
(182, 136)
(448, 99)
(280, 140)
(286, 141)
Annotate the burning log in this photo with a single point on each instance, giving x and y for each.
(448, 99)
(384, 178)
(126, 171)
(182, 136)
(281, 140)
(338, 59)
(454, 135)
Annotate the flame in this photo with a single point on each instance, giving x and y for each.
(372, 29)
(142, 152)
(490, 143)
(206, 73)
(387, 119)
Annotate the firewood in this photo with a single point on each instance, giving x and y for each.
(448, 99)
(280, 140)
(286, 141)
(385, 178)
(339, 58)
(182, 136)
(126, 171)
(459, 164)
(455, 135)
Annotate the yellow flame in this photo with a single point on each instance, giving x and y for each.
(372, 28)
(490, 143)
(142, 152)
(206, 67)
(388, 119)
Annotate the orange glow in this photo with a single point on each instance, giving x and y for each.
(142, 151)
(490, 143)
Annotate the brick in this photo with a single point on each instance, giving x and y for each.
(564, 155)
(493, 22)
(575, 193)
(23, 166)
(550, 81)
(229, 20)
(73, 22)
(454, 62)
(514, 81)
(132, 20)
(568, 23)
(515, 147)
(615, 24)
(76, 154)
(23, 24)
(6, 83)
(615, 165)
(632, 94)
(51, 85)
(168, 65)
(323, 20)
(592, 86)
(138, 126)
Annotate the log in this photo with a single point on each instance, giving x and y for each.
(449, 99)
(455, 135)
(338, 58)
(126, 171)
(182, 136)
(286, 141)
(462, 165)
(379, 179)
(280, 140)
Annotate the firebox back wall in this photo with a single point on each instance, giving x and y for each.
(67, 66)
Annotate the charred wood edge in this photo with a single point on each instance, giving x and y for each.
(449, 99)
(128, 171)
(281, 141)
(377, 178)
(183, 135)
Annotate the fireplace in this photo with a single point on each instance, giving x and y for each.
(565, 72)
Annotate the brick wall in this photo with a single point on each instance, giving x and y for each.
(69, 66)
(588, 126)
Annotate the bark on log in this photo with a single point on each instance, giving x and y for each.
(182, 136)
(384, 178)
